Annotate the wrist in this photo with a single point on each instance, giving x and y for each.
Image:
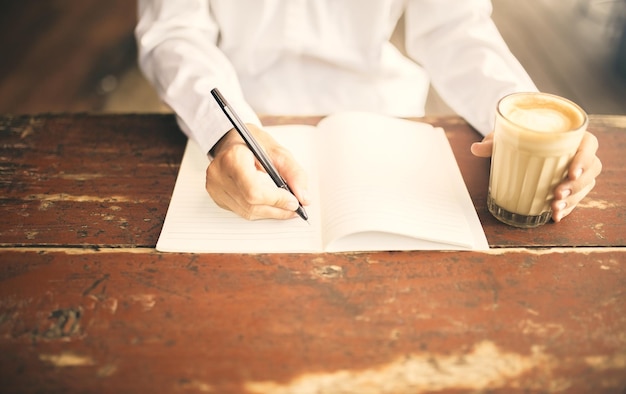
(230, 136)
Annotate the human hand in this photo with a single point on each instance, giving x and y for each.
(581, 178)
(581, 174)
(484, 147)
(237, 182)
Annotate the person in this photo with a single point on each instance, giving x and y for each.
(316, 57)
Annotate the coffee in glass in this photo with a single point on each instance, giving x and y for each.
(536, 136)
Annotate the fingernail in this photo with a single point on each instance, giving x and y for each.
(577, 173)
(565, 193)
(305, 196)
(561, 205)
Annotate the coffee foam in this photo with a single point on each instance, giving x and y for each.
(542, 112)
(536, 135)
(546, 120)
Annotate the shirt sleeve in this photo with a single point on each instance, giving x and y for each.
(178, 54)
(470, 65)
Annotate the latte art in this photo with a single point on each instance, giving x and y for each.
(536, 136)
(545, 120)
(541, 112)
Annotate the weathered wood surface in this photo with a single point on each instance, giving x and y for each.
(87, 180)
(80, 180)
(501, 322)
(87, 305)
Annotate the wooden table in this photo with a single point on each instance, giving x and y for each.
(88, 305)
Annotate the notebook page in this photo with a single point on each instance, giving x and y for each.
(463, 198)
(194, 223)
(389, 184)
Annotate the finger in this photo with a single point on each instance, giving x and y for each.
(253, 195)
(229, 176)
(574, 186)
(237, 182)
(293, 173)
(583, 169)
(262, 211)
(484, 147)
(221, 172)
(266, 212)
(585, 156)
(569, 193)
(263, 201)
(286, 165)
(562, 208)
(261, 190)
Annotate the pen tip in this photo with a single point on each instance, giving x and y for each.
(302, 213)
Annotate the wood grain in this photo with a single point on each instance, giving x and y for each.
(122, 321)
(106, 180)
(88, 305)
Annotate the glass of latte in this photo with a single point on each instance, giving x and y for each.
(536, 136)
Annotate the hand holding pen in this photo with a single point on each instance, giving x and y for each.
(235, 181)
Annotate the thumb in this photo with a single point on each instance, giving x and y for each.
(484, 147)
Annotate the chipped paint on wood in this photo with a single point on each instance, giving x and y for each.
(66, 359)
(71, 198)
(595, 204)
(85, 299)
(484, 367)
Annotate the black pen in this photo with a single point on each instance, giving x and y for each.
(255, 147)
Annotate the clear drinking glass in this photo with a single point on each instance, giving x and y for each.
(536, 136)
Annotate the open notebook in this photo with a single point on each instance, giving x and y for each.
(376, 183)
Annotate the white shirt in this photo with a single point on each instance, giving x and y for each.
(316, 57)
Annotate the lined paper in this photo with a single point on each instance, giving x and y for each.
(377, 183)
(194, 223)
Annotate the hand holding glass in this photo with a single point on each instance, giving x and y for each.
(536, 135)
